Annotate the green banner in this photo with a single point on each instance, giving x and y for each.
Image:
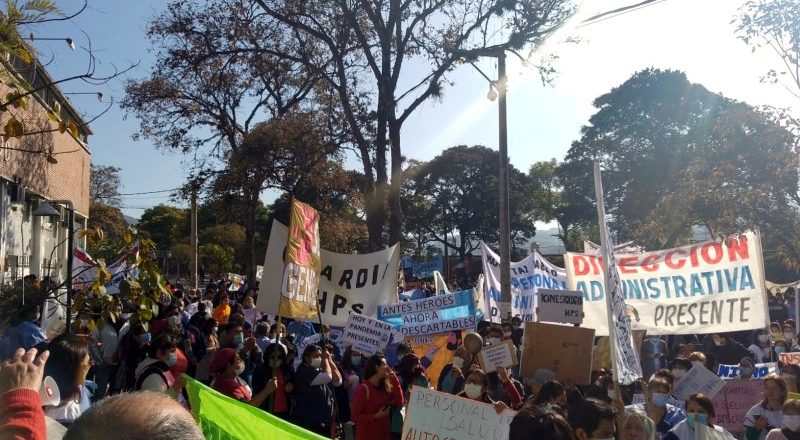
(223, 418)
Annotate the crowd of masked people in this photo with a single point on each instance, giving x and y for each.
(218, 337)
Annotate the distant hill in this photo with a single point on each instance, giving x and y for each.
(131, 221)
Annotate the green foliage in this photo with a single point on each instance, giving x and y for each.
(216, 259)
(108, 227)
(457, 193)
(676, 156)
(165, 225)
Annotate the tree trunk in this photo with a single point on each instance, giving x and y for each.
(395, 210)
(250, 236)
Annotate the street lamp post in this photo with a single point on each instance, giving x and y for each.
(497, 90)
(46, 209)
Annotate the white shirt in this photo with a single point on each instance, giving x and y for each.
(774, 418)
(761, 354)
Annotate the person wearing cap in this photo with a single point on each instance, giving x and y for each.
(22, 332)
(227, 366)
(279, 402)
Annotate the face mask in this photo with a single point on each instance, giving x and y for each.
(327, 335)
(788, 335)
(779, 349)
(172, 359)
(214, 330)
(174, 321)
(84, 322)
(506, 334)
(473, 390)
(458, 362)
(515, 326)
(745, 371)
(718, 343)
(763, 338)
(791, 422)
(240, 369)
(238, 340)
(677, 374)
(355, 360)
(494, 341)
(144, 338)
(694, 418)
(316, 362)
(612, 394)
(660, 400)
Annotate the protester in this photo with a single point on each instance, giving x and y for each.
(698, 358)
(68, 365)
(209, 334)
(699, 412)
(477, 388)
(592, 419)
(132, 350)
(279, 402)
(21, 415)
(313, 396)
(22, 332)
(353, 367)
(637, 426)
(233, 337)
(790, 337)
(653, 355)
(663, 414)
(726, 350)
(767, 414)
(227, 366)
(223, 311)
(539, 423)
(262, 336)
(761, 347)
(790, 429)
(137, 416)
(109, 336)
(451, 379)
(153, 373)
(679, 368)
(551, 393)
(374, 398)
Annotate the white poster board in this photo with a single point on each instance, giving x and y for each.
(698, 380)
(500, 355)
(564, 306)
(366, 335)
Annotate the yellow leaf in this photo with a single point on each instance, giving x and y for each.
(24, 55)
(73, 129)
(13, 128)
(52, 116)
(62, 127)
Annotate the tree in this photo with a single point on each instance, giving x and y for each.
(104, 184)
(677, 156)
(551, 203)
(165, 225)
(774, 24)
(363, 52)
(456, 194)
(216, 259)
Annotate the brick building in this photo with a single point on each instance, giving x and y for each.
(45, 165)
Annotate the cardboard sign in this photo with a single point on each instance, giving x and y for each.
(366, 335)
(760, 371)
(436, 415)
(560, 306)
(563, 350)
(501, 355)
(698, 380)
(789, 358)
(437, 314)
(733, 402)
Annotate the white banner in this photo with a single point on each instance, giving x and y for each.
(437, 314)
(435, 415)
(440, 284)
(527, 276)
(84, 270)
(760, 371)
(356, 283)
(366, 335)
(698, 289)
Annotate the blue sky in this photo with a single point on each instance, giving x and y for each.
(690, 35)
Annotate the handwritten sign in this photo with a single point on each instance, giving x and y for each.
(500, 355)
(367, 336)
(435, 415)
(698, 380)
(560, 306)
(760, 371)
(789, 358)
(559, 350)
(733, 402)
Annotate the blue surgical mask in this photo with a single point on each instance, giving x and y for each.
(144, 338)
(172, 359)
(660, 400)
(780, 349)
(238, 340)
(694, 418)
(355, 360)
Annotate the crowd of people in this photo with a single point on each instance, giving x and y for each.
(217, 337)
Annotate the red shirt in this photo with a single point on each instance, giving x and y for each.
(21, 416)
(281, 403)
(364, 408)
(181, 365)
(235, 388)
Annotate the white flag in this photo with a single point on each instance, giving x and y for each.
(625, 360)
(440, 284)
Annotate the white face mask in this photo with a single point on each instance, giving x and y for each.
(316, 362)
(494, 341)
(612, 394)
(792, 422)
(174, 321)
(172, 359)
(788, 335)
(763, 338)
(240, 369)
(473, 390)
(677, 374)
(458, 362)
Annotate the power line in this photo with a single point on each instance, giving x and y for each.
(617, 12)
(140, 193)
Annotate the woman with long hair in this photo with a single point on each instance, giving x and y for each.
(767, 414)
(374, 398)
(699, 416)
(68, 364)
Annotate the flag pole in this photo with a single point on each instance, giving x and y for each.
(605, 243)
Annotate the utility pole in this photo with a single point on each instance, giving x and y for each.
(193, 263)
(505, 222)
